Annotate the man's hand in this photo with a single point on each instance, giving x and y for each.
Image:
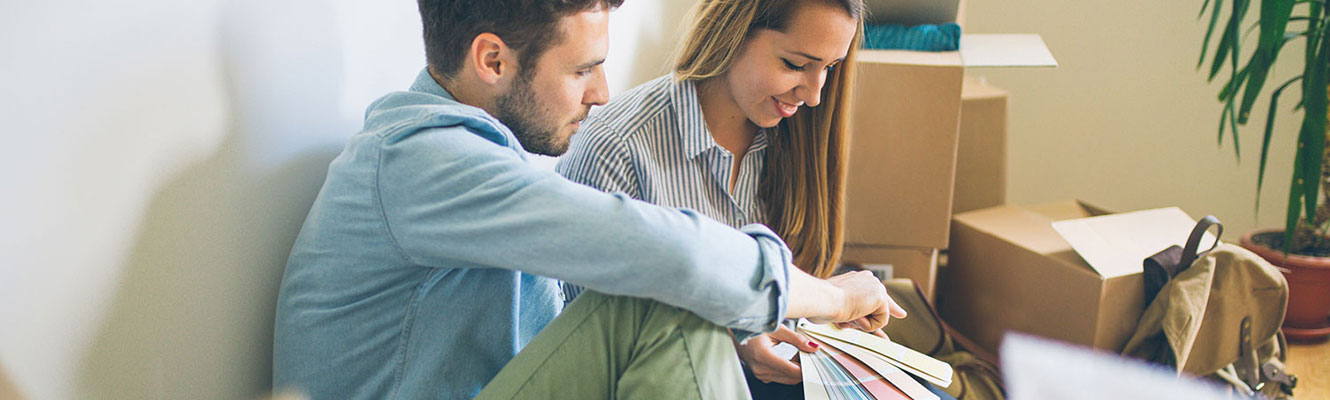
(766, 365)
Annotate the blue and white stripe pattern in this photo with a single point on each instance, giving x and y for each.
(652, 143)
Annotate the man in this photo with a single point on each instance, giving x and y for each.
(427, 266)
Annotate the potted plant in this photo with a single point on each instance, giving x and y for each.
(1302, 248)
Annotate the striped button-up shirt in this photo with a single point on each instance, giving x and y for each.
(652, 143)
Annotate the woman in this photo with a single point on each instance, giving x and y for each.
(750, 128)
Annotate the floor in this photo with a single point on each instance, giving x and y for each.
(1311, 363)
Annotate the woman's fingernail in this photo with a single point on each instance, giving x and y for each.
(813, 345)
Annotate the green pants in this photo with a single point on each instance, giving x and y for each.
(608, 347)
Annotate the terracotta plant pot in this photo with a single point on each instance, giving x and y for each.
(1308, 315)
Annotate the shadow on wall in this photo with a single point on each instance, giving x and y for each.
(8, 390)
(193, 315)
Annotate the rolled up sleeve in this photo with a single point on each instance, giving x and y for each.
(773, 280)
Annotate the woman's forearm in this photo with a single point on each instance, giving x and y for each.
(853, 296)
(813, 298)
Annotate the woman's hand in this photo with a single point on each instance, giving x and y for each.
(768, 367)
(856, 296)
(856, 324)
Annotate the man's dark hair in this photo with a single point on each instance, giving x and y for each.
(529, 27)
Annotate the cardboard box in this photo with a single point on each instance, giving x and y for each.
(905, 125)
(1048, 270)
(981, 151)
(918, 264)
(914, 12)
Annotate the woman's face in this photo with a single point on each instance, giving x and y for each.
(777, 72)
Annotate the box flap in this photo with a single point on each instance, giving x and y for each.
(910, 57)
(1115, 245)
(912, 12)
(1067, 209)
(1005, 50)
(1021, 226)
(977, 51)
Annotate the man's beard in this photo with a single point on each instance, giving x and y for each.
(519, 110)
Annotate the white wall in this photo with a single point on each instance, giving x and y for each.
(160, 158)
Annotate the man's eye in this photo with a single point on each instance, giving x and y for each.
(584, 72)
(791, 65)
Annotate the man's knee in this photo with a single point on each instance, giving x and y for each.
(648, 316)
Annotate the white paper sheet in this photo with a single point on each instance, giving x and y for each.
(1040, 369)
(1115, 245)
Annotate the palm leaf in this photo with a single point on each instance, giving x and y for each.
(1214, 18)
(1265, 140)
(1228, 42)
(1274, 19)
(1230, 87)
(1223, 121)
(1311, 140)
(1246, 81)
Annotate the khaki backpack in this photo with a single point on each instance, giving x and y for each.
(1217, 317)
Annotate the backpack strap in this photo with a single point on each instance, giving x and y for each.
(1246, 366)
(1273, 371)
(1189, 253)
(1161, 267)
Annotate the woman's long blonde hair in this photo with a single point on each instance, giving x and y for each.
(803, 185)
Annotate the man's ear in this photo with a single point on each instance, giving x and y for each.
(491, 58)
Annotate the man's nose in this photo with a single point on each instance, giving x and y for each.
(598, 92)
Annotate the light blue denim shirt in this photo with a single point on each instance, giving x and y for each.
(430, 257)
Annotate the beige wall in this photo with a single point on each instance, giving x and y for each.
(1126, 121)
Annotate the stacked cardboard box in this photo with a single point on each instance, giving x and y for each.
(906, 123)
(981, 151)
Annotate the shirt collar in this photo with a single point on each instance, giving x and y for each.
(425, 83)
(759, 141)
(692, 126)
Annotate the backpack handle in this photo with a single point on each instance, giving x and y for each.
(1189, 254)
